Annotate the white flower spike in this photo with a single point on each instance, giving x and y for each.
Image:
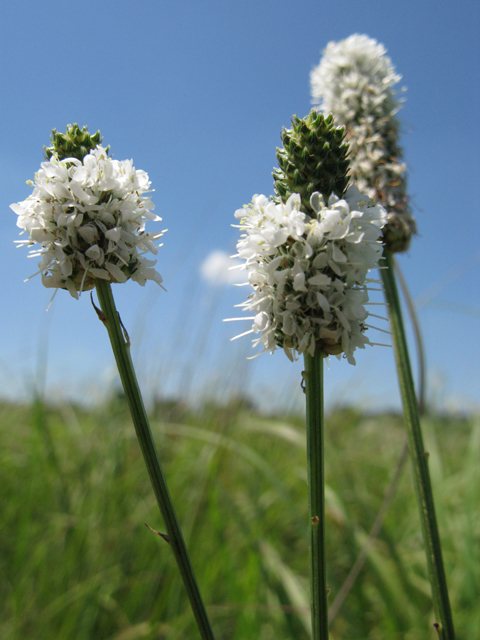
(309, 272)
(89, 220)
(355, 81)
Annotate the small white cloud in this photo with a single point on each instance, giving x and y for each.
(217, 269)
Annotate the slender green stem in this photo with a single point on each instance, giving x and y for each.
(313, 376)
(418, 455)
(422, 368)
(121, 350)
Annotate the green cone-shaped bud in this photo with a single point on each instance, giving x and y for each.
(313, 158)
(75, 143)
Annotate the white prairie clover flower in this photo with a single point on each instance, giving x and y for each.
(89, 219)
(309, 272)
(355, 82)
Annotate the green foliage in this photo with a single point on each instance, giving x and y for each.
(77, 561)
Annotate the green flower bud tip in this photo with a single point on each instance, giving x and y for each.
(314, 157)
(75, 143)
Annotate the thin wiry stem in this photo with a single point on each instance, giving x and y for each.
(422, 370)
(313, 377)
(418, 456)
(121, 349)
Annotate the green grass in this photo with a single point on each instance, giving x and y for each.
(77, 562)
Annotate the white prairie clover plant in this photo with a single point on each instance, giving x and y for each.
(355, 82)
(307, 254)
(309, 272)
(88, 214)
(89, 219)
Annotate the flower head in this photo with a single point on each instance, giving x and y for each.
(309, 272)
(355, 82)
(88, 216)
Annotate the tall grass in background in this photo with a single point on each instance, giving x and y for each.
(77, 561)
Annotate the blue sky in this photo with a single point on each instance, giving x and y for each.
(197, 93)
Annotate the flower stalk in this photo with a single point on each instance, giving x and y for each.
(308, 252)
(313, 377)
(422, 367)
(88, 214)
(121, 349)
(418, 455)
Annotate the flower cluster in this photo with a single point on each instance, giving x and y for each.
(309, 272)
(89, 218)
(355, 82)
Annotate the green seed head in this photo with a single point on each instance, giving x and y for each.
(314, 157)
(75, 143)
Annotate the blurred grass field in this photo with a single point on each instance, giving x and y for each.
(77, 561)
